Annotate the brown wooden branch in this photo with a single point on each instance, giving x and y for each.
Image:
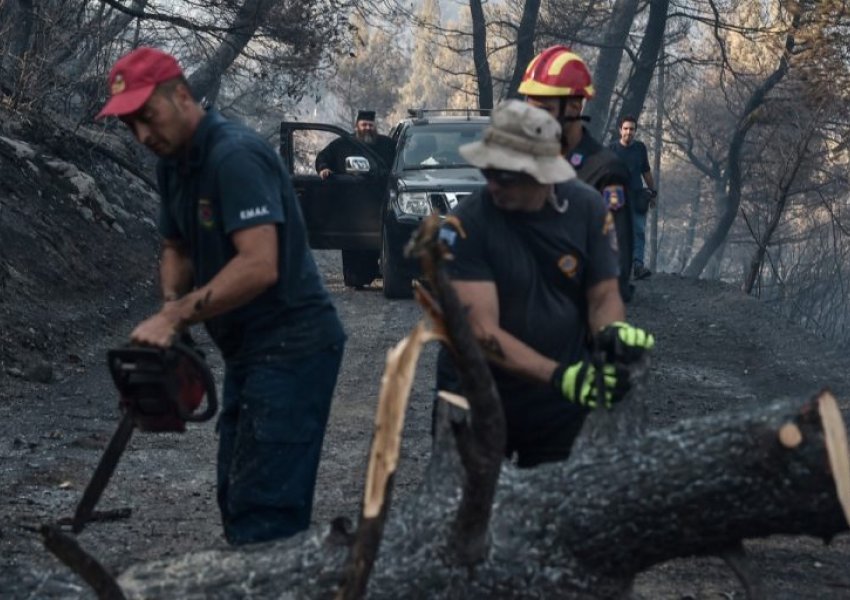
(835, 439)
(396, 384)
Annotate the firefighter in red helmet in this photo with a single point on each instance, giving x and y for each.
(558, 81)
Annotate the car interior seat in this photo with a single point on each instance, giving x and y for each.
(420, 148)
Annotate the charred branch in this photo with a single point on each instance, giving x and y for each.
(481, 440)
(66, 549)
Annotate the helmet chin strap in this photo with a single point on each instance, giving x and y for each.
(565, 120)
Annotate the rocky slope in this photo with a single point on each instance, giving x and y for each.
(78, 237)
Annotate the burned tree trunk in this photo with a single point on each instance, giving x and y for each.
(579, 529)
(479, 55)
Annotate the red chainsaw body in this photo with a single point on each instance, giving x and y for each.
(163, 388)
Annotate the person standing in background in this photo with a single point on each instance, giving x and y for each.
(636, 158)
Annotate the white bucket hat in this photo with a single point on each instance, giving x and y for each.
(521, 138)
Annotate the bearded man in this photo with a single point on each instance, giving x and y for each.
(331, 160)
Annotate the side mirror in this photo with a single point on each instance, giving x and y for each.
(357, 165)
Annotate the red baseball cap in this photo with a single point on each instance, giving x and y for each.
(134, 77)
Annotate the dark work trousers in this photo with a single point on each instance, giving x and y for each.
(639, 246)
(625, 237)
(271, 429)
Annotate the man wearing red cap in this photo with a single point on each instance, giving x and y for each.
(235, 257)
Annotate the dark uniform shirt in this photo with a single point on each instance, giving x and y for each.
(636, 159)
(334, 154)
(602, 169)
(542, 264)
(231, 180)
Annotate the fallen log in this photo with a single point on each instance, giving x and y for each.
(580, 529)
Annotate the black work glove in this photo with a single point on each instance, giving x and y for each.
(623, 343)
(578, 383)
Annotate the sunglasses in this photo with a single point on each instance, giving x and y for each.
(507, 178)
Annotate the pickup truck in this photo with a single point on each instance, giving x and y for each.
(370, 212)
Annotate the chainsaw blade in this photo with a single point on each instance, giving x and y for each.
(103, 472)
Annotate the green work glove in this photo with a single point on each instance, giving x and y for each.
(578, 383)
(623, 343)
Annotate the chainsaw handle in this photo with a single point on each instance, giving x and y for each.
(207, 380)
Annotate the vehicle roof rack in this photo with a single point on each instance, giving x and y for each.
(422, 113)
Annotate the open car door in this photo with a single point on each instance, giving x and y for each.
(343, 211)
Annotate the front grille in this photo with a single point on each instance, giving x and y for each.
(444, 202)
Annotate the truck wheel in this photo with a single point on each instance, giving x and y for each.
(359, 267)
(395, 284)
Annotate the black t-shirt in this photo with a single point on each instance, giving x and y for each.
(542, 264)
(602, 169)
(636, 159)
(231, 180)
(334, 154)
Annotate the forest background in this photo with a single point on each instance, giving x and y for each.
(742, 104)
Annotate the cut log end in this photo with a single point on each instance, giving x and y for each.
(790, 435)
(835, 434)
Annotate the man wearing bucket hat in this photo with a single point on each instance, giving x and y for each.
(535, 261)
(235, 256)
(558, 81)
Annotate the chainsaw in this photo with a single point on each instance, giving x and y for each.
(161, 389)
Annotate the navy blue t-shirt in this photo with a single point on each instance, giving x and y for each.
(232, 179)
(636, 159)
(542, 265)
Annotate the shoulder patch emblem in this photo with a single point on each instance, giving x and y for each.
(447, 236)
(568, 264)
(576, 159)
(205, 213)
(614, 196)
(452, 227)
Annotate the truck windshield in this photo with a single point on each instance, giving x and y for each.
(435, 146)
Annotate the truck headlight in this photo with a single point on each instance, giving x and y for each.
(414, 203)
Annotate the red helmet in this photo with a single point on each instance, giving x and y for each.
(557, 71)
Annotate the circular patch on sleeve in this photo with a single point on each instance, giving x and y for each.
(205, 213)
